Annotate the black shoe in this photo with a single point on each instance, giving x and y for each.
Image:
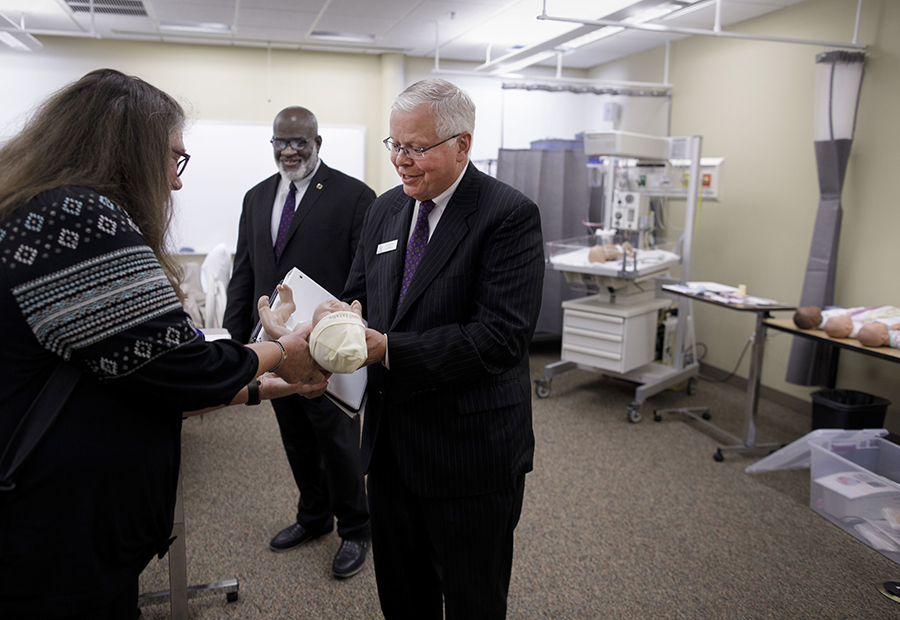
(350, 558)
(294, 536)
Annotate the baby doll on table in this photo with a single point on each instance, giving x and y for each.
(877, 326)
(338, 339)
(608, 252)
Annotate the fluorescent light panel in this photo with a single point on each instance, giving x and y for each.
(21, 41)
(517, 65)
(342, 37)
(13, 42)
(591, 37)
(656, 12)
(195, 27)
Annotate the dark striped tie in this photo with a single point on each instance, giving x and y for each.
(416, 247)
(287, 214)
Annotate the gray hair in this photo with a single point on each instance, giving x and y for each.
(453, 109)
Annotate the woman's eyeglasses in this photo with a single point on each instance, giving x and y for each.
(181, 162)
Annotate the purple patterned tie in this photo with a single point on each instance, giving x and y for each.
(287, 214)
(416, 247)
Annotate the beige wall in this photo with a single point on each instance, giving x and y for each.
(235, 84)
(752, 102)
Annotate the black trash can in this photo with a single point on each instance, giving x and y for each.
(847, 409)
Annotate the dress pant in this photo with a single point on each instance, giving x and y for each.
(431, 552)
(322, 447)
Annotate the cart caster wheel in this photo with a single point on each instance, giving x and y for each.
(657, 417)
(542, 389)
(706, 415)
(691, 386)
(231, 596)
(718, 456)
(634, 416)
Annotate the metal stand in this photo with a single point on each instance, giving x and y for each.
(179, 592)
(651, 379)
(748, 442)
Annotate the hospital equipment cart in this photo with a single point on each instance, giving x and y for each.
(614, 332)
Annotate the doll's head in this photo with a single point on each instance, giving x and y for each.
(338, 338)
(335, 305)
(839, 326)
(874, 334)
(603, 253)
(808, 317)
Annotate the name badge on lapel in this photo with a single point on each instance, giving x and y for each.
(387, 246)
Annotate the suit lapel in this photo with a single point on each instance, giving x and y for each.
(262, 215)
(390, 269)
(450, 232)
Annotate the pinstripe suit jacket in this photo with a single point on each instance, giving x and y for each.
(321, 242)
(457, 397)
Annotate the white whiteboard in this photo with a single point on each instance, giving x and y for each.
(227, 159)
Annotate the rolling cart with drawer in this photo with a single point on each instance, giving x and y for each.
(619, 341)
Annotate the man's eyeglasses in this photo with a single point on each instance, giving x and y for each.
(410, 151)
(181, 162)
(296, 143)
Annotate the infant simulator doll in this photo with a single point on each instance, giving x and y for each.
(877, 326)
(338, 338)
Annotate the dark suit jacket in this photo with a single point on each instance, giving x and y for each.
(457, 397)
(321, 242)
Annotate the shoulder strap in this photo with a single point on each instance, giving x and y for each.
(37, 421)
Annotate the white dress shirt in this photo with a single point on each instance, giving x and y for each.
(281, 196)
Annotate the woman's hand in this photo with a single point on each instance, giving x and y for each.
(272, 386)
(299, 365)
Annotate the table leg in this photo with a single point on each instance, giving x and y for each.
(748, 442)
(754, 379)
(179, 592)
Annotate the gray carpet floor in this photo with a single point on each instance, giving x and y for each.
(621, 520)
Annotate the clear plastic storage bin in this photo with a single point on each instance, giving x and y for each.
(856, 486)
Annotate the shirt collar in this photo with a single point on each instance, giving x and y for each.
(442, 200)
(302, 184)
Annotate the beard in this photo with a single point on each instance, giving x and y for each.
(305, 169)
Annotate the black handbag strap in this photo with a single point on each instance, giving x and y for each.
(37, 421)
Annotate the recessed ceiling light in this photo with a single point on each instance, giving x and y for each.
(13, 42)
(199, 27)
(343, 37)
(19, 40)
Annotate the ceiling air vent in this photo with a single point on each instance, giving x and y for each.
(109, 7)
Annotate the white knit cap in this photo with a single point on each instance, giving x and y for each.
(338, 342)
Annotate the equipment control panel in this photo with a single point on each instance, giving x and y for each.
(630, 210)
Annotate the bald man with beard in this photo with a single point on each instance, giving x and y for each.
(308, 216)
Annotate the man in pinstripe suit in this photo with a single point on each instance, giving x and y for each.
(447, 438)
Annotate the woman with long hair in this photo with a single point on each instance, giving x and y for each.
(86, 283)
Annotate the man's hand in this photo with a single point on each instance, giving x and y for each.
(376, 345)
